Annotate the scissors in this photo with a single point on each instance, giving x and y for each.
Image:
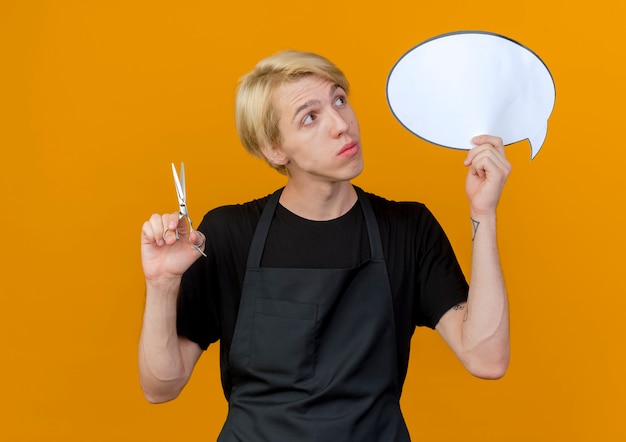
(182, 203)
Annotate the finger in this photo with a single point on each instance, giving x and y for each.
(488, 141)
(198, 241)
(489, 154)
(490, 163)
(487, 150)
(495, 141)
(147, 234)
(197, 238)
(152, 231)
(475, 153)
(168, 225)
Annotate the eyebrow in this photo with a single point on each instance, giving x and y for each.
(311, 103)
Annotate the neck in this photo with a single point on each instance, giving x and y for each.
(319, 202)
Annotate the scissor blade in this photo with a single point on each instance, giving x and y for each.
(180, 191)
(182, 180)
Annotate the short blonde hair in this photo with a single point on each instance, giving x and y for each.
(255, 114)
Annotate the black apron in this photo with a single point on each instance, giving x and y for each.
(314, 353)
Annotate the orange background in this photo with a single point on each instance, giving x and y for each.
(97, 98)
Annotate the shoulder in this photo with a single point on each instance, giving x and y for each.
(406, 221)
(235, 214)
(388, 210)
(382, 203)
(229, 229)
(232, 225)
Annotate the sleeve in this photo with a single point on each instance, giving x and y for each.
(198, 317)
(440, 281)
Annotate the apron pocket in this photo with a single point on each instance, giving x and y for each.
(283, 337)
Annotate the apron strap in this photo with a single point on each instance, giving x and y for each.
(376, 244)
(262, 229)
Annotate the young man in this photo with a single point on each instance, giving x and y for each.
(314, 292)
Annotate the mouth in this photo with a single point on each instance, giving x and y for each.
(349, 149)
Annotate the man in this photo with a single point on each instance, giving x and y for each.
(314, 292)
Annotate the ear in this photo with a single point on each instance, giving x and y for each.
(274, 155)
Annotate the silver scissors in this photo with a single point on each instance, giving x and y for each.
(182, 202)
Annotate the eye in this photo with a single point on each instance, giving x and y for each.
(308, 119)
(340, 100)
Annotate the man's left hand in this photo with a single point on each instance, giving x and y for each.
(488, 172)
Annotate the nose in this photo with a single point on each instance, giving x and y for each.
(339, 123)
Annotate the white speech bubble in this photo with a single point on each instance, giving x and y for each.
(452, 87)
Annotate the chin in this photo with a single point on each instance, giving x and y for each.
(355, 172)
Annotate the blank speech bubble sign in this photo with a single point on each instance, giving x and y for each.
(455, 86)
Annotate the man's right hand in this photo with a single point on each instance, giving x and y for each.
(164, 258)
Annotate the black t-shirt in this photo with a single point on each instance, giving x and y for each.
(425, 277)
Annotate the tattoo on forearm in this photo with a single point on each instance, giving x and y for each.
(475, 225)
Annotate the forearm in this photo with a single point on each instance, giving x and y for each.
(161, 364)
(486, 324)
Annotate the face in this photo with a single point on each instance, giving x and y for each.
(319, 132)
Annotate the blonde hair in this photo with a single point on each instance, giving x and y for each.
(255, 114)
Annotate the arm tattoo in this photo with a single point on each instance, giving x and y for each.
(475, 225)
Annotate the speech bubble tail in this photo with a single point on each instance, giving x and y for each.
(537, 140)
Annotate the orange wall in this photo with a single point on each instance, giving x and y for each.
(98, 97)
